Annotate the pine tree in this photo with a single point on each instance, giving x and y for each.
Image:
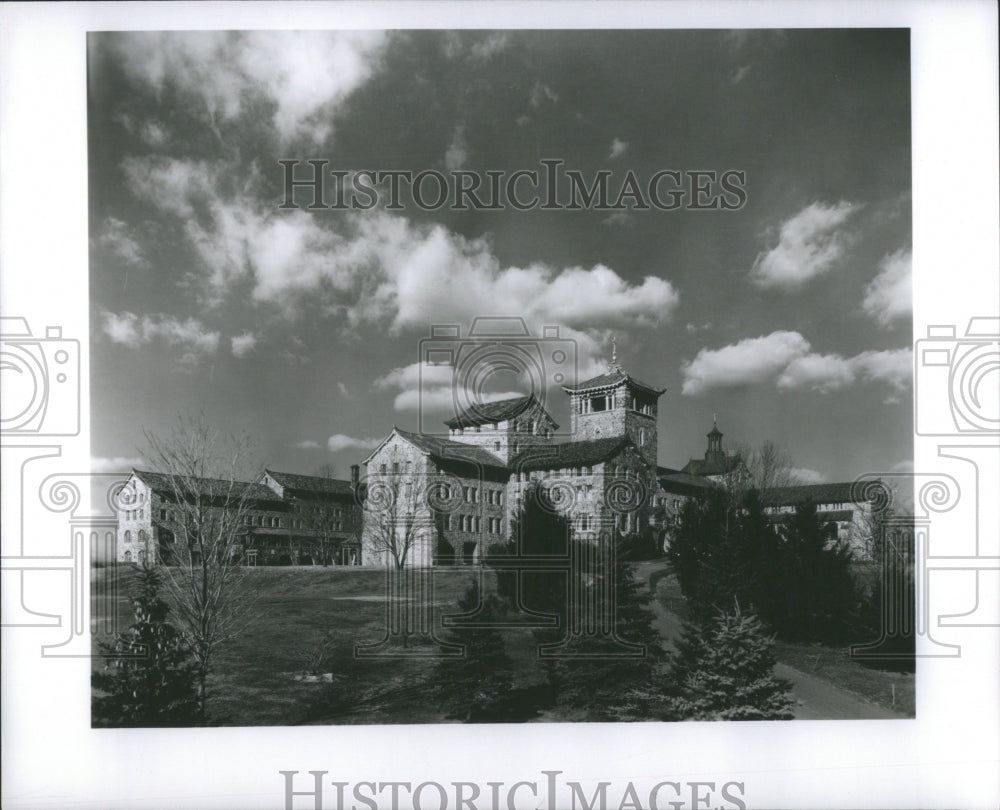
(628, 683)
(149, 678)
(724, 670)
(476, 687)
(819, 599)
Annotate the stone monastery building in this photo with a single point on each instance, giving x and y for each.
(434, 500)
(445, 501)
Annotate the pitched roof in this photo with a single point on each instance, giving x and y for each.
(312, 483)
(169, 484)
(568, 454)
(450, 450)
(611, 377)
(681, 483)
(714, 466)
(482, 413)
(817, 493)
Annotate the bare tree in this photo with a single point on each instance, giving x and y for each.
(395, 512)
(764, 468)
(207, 582)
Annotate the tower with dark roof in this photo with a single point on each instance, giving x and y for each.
(615, 404)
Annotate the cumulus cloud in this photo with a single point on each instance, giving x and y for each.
(618, 148)
(339, 442)
(243, 344)
(302, 75)
(114, 464)
(821, 372)
(307, 444)
(803, 475)
(786, 359)
(134, 331)
(380, 268)
(809, 244)
(889, 296)
(894, 366)
(434, 386)
(119, 239)
(747, 362)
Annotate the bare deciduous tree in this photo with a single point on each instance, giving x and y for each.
(395, 512)
(206, 579)
(764, 468)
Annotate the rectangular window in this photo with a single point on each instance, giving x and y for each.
(163, 514)
(496, 447)
(381, 468)
(395, 468)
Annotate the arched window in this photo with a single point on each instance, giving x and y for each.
(128, 536)
(143, 536)
(128, 556)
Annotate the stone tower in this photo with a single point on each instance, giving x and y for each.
(615, 404)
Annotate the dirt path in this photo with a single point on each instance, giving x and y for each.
(815, 698)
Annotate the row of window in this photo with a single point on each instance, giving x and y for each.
(142, 536)
(131, 498)
(472, 523)
(135, 514)
(597, 404)
(565, 472)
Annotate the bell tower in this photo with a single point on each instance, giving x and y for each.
(614, 405)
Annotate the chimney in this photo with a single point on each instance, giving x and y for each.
(355, 476)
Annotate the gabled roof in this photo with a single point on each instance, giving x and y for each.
(714, 466)
(500, 411)
(819, 494)
(318, 484)
(569, 454)
(612, 377)
(167, 484)
(450, 450)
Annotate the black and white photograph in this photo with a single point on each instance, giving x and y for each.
(445, 302)
(538, 385)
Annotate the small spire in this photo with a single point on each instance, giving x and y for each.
(613, 366)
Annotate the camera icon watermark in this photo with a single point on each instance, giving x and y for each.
(464, 373)
(957, 380)
(41, 381)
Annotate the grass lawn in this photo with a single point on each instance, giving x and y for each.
(254, 675)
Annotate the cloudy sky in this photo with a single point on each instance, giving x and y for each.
(790, 317)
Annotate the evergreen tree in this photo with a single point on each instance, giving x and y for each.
(622, 678)
(476, 687)
(724, 670)
(150, 677)
(818, 599)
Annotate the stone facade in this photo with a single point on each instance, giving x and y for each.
(277, 524)
(446, 501)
